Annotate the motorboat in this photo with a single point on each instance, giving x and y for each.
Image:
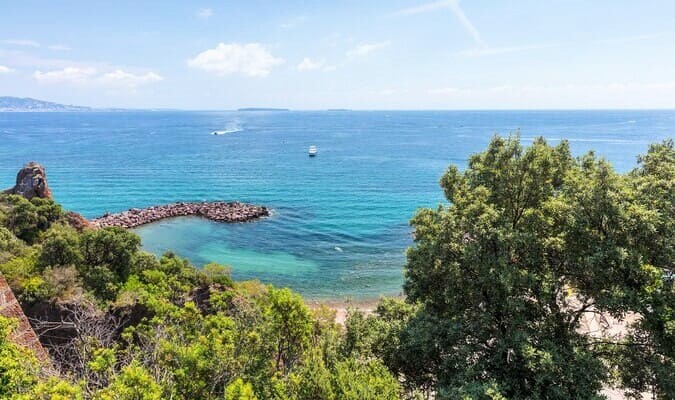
(312, 151)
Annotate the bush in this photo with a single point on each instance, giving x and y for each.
(355, 380)
(18, 365)
(133, 383)
(239, 390)
(20, 269)
(60, 247)
(62, 283)
(10, 245)
(27, 219)
(107, 256)
(218, 273)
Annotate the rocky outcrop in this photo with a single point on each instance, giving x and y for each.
(215, 211)
(23, 335)
(31, 181)
(77, 221)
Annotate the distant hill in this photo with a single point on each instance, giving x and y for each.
(17, 104)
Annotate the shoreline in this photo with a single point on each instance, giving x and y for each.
(341, 307)
(226, 212)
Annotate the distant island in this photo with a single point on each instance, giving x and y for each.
(338, 109)
(26, 104)
(262, 109)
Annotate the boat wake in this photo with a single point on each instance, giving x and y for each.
(230, 128)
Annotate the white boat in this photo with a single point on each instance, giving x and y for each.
(312, 151)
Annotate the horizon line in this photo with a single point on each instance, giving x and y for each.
(335, 109)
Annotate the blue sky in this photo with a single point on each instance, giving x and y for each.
(363, 54)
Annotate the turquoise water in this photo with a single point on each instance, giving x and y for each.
(340, 221)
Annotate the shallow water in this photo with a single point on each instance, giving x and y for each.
(340, 222)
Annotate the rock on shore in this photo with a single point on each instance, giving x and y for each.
(31, 181)
(215, 211)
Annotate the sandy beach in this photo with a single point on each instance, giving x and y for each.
(342, 307)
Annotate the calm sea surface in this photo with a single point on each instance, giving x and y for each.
(340, 222)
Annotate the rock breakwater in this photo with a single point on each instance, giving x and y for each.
(215, 211)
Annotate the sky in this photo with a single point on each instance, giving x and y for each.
(366, 54)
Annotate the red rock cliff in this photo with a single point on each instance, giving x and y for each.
(23, 335)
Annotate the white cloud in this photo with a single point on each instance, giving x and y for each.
(21, 42)
(77, 75)
(204, 13)
(90, 76)
(251, 59)
(307, 64)
(5, 70)
(366, 48)
(452, 5)
(120, 78)
(59, 47)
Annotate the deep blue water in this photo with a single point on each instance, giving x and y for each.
(340, 223)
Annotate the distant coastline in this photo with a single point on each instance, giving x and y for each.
(262, 109)
(27, 104)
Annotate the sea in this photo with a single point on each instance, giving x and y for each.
(339, 227)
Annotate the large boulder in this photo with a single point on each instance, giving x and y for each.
(31, 181)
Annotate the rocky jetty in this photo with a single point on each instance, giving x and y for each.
(31, 181)
(215, 211)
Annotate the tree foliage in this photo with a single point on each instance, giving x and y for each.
(532, 240)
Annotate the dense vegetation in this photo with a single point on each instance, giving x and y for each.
(498, 283)
(148, 328)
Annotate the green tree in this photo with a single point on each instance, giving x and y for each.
(60, 247)
(107, 257)
(532, 239)
(646, 359)
(195, 353)
(315, 380)
(239, 390)
(54, 389)
(369, 380)
(18, 366)
(10, 245)
(653, 188)
(23, 220)
(132, 383)
(20, 377)
(27, 219)
(377, 335)
(113, 247)
(218, 273)
(289, 328)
